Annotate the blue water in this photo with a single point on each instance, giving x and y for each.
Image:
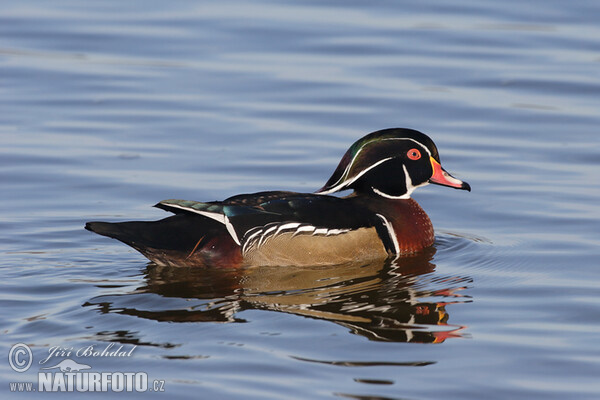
(109, 107)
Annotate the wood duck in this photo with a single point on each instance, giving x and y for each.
(377, 220)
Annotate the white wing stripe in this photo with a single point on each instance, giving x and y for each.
(222, 218)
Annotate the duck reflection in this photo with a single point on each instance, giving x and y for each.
(399, 301)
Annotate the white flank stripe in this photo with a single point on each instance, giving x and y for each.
(391, 232)
(256, 237)
(271, 229)
(304, 228)
(249, 239)
(231, 231)
(262, 239)
(291, 225)
(336, 231)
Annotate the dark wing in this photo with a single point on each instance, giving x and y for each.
(250, 219)
(256, 199)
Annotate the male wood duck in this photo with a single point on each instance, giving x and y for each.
(377, 220)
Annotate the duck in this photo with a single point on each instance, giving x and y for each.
(377, 220)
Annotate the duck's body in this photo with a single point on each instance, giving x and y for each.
(277, 228)
(378, 220)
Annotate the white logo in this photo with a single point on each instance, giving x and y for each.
(72, 376)
(69, 365)
(20, 357)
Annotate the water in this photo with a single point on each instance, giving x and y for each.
(108, 107)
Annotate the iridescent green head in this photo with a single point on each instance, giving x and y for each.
(391, 163)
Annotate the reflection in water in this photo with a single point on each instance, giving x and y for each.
(399, 301)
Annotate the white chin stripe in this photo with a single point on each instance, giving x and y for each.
(409, 187)
(388, 196)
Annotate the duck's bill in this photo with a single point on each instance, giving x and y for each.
(441, 177)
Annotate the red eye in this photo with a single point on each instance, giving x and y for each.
(414, 154)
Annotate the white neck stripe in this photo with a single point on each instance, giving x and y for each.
(350, 182)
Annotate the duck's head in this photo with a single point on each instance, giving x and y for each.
(391, 163)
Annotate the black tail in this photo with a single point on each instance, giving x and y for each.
(105, 229)
(179, 232)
